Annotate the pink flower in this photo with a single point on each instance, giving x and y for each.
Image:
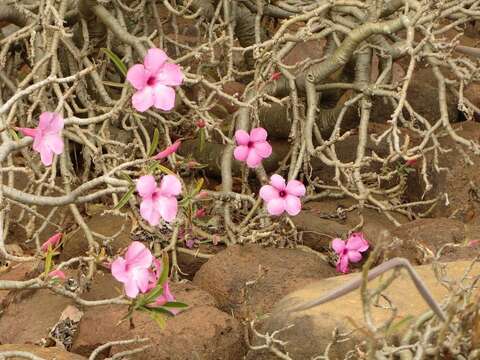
(350, 250)
(134, 270)
(252, 148)
(158, 202)
(153, 80)
(411, 162)
(281, 197)
(57, 274)
(51, 242)
(168, 151)
(47, 139)
(200, 123)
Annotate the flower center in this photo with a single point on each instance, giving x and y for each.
(282, 193)
(151, 81)
(250, 144)
(345, 251)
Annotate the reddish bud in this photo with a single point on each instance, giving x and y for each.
(200, 123)
(411, 162)
(201, 212)
(275, 76)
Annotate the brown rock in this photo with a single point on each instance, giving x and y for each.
(76, 243)
(201, 331)
(247, 280)
(312, 329)
(44, 353)
(16, 272)
(422, 239)
(24, 322)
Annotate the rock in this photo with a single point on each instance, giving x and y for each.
(190, 264)
(44, 353)
(201, 331)
(247, 280)
(317, 233)
(422, 239)
(313, 328)
(109, 225)
(16, 272)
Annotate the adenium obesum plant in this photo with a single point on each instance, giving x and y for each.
(47, 136)
(252, 148)
(349, 250)
(153, 81)
(281, 197)
(158, 201)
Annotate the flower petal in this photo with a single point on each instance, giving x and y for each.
(138, 256)
(150, 212)
(55, 124)
(137, 75)
(242, 137)
(131, 288)
(46, 155)
(276, 206)
(170, 74)
(163, 97)
(170, 186)
(263, 149)
(168, 208)
(57, 273)
(155, 60)
(278, 182)
(45, 118)
(354, 256)
(52, 241)
(258, 134)
(142, 277)
(295, 187)
(268, 192)
(338, 245)
(241, 153)
(357, 242)
(119, 269)
(55, 143)
(146, 185)
(342, 264)
(293, 205)
(253, 159)
(143, 99)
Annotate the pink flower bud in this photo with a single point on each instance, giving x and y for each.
(200, 123)
(275, 76)
(201, 212)
(168, 151)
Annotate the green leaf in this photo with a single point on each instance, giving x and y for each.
(202, 139)
(153, 146)
(116, 60)
(198, 186)
(393, 328)
(48, 261)
(152, 295)
(165, 269)
(175, 304)
(127, 177)
(160, 167)
(124, 198)
(156, 309)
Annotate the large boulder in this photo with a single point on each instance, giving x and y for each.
(307, 333)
